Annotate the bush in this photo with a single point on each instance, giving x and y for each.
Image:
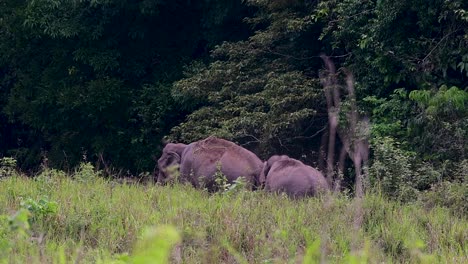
(41, 208)
(7, 167)
(453, 195)
(391, 170)
(400, 175)
(86, 172)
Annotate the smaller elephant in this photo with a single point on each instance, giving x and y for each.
(291, 176)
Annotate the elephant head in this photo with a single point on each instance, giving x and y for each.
(267, 166)
(171, 157)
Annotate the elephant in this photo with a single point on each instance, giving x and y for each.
(199, 162)
(291, 176)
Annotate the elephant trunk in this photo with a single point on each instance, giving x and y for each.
(160, 179)
(263, 175)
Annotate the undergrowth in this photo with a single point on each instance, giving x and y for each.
(55, 218)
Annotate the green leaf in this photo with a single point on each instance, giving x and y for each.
(155, 245)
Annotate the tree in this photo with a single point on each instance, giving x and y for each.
(353, 130)
(262, 92)
(94, 77)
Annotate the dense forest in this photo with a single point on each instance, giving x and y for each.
(372, 93)
(108, 81)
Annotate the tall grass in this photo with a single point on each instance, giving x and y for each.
(87, 219)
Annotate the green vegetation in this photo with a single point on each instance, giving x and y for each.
(108, 79)
(84, 218)
(89, 89)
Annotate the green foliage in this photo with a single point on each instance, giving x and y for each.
(155, 245)
(7, 166)
(94, 77)
(258, 92)
(239, 185)
(264, 92)
(105, 222)
(51, 175)
(390, 168)
(19, 222)
(444, 102)
(405, 56)
(396, 173)
(4, 239)
(221, 181)
(443, 116)
(389, 115)
(453, 195)
(86, 173)
(41, 208)
(222, 185)
(400, 175)
(110, 79)
(12, 228)
(361, 256)
(413, 42)
(312, 254)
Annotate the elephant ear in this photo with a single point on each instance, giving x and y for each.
(172, 159)
(168, 159)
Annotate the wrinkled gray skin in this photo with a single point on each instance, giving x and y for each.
(291, 176)
(199, 161)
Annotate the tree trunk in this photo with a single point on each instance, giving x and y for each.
(341, 166)
(323, 152)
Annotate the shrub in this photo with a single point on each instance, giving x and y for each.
(391, 170)
(40, 208)
(86, 173)
(7, 166)
(453, 195)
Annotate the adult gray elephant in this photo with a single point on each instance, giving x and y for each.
(199, 161)
(284, 174)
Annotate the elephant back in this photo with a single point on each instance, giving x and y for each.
(285, 163)
(213, 145)
(216, 147)
(204, 157)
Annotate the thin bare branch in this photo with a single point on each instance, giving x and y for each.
(308, 137)
(299, 58)
(438, 43)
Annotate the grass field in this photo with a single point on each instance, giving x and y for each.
(84, 218)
